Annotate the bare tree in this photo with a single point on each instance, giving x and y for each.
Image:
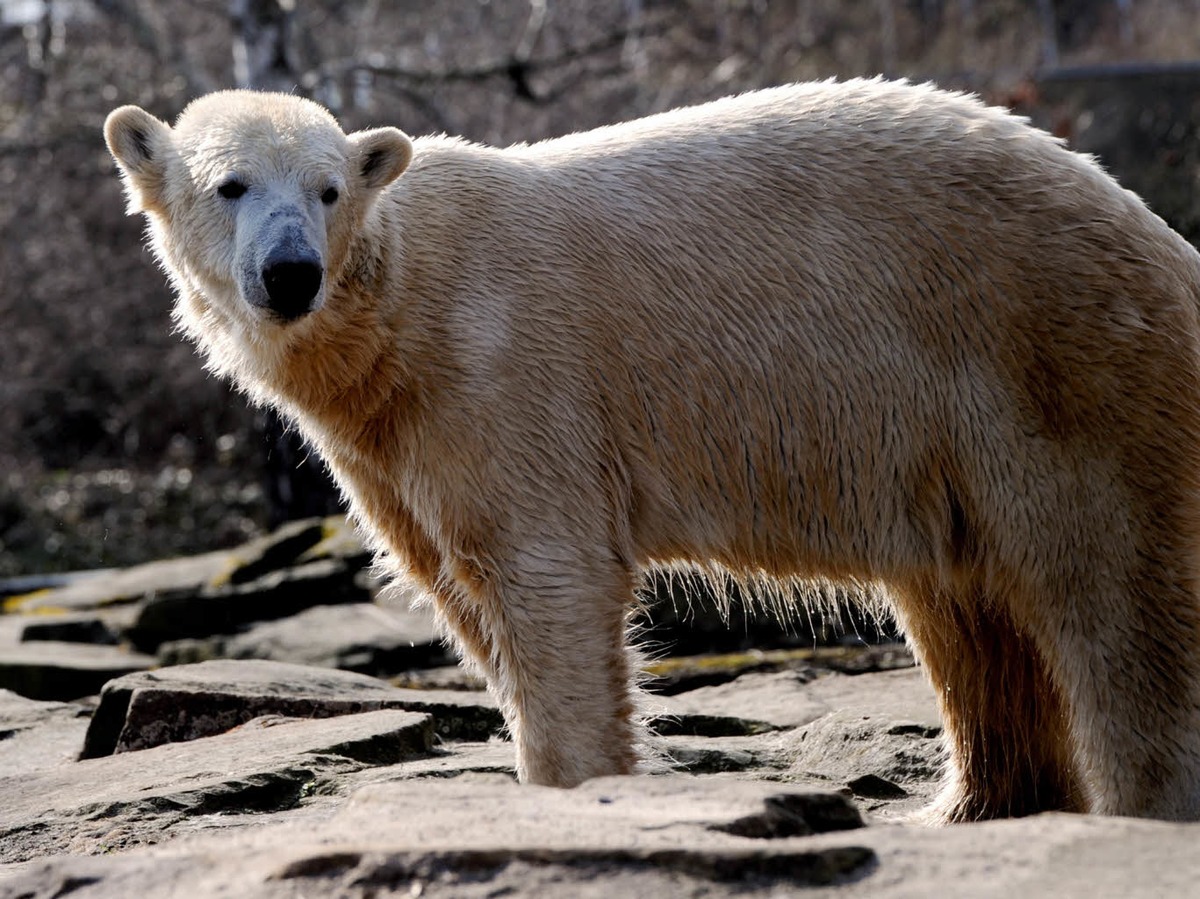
(1049, 26)
(264, 56)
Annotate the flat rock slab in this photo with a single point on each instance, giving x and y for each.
(876, 736)
(786, 699)
(880, 738)
(192, 701)
(456, 837)
(662, 837)
(903, 696)
(104, 804)
(1047, 856)
(127, 585)
(35, 735)
(443, 677)
(303, 564)
(376, 639)
(297, 542)
(757, 755)
(771, 701)
(99, 627)
(679, 674)
(54, 670)
(21, 713)
(232, 604)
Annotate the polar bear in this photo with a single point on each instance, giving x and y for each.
(865, 333)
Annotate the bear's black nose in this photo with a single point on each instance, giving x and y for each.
(291, 286)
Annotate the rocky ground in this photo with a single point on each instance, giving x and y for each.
(263, 722)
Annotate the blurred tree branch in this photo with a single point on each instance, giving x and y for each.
(518, 67)
(154, 33)
(264, 51)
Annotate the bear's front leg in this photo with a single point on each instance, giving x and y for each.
(554, 619)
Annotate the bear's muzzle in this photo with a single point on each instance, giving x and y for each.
(292, 285)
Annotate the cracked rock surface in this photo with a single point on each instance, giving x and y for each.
(338, 755)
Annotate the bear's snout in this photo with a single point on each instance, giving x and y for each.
(292, 286)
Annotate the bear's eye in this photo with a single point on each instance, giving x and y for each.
(329, 197)
(232, 189)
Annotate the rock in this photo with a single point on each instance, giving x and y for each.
(36, 735)
(484, 836)
(129, 585)
(223, 609)
(71, 628)
(795, 815)
(19, 713)
(24, 584)
(106, 804)
(697, 724)
(876, 735)
(369, 803)
(475, 837)
(758, 702)
(880, 737)
(872, 786)
(444, 677)
(757, 755)
(843, 747)
(458, 759)
(339, 540)
(270, 553)
(193, 701)
(678, 674)
(305, 563)
(769, 701)
(260, 777)
(190, 650)
(902, 696)
(457, 715)
(12, 627)
(62, 671)
(369, 638)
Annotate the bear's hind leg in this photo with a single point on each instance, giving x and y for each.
(1129, 662)
(1005, 725)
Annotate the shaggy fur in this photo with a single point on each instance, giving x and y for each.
(868, 333)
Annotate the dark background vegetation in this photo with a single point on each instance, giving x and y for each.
(115, 446)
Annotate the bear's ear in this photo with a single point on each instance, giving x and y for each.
(139, 143)
(380, 155)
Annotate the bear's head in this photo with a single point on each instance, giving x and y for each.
(252, 200)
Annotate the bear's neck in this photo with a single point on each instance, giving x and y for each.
(345, 381)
